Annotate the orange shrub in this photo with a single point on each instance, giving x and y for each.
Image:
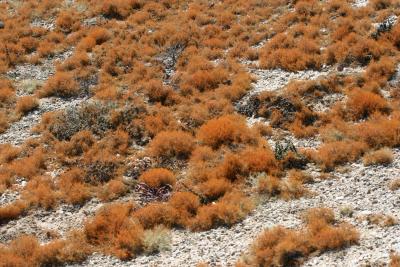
(7, 94)
(80, 142)
(3, 122)
(112, 190)
(62, 84)
(12, 211)
(156, 91)
(29, 44)
(72, 187)
(394, 184)
(335, 153)
(118, 8)
(280, 246)
(227, 129)
(394, 260)
(204, 80)
(100, 35)
(362, 104)
(26, 104)
(260, 159)
(230, 209)
(169, 144)
(378, 132)
(382, 156)
(66, 21)
(29, 166)
(293, 54)
(41, 192)
(157, 214)
(285, 189)
(8, 153)
(158, 177)
(215, 188)
(46, 48)
(186, 204)
(114, 231)
(381, 71)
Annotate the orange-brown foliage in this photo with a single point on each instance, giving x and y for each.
(227, 129)
(230, 209)
(8, 153)
(169, 144)
(119, 8)
(112, 190)
(362, 104)
(158, 177)
(62, 84)
(41, 192)
(332, 154)
(72, 187)
(394, 260)
(12, 211)
(186, 204)
(157, 214)
(378, 132)
(3, 122)
(382, 156)
(280, 246)
(26, 104)
(215, 188)
(114, 231)
(29, 166)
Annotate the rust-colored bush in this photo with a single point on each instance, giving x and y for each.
(26, 104)
(3, 122)
(186, 204)
(215, 188)
(118, 8)
(293, 54)
(260, 159)
(66, 21)
(362, 104)
(157, 214)
(112, 190)
(381, 71)
(227, 129)
(394, 184)
(156, 91)
(80, 142)
(158, 177)
(12, 211)
(72, 186)
(8, 153)
(378, 132)
(383, 156)
(29, 166)
(332, 154)
(280, 246)
(100, 35)
(46, 48)
(394, 260)
(285, 189)
(169, 144)
(41, 192)
(114, 231)
(62, 84)
(230, 209)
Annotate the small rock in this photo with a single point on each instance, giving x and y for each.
(1, 24)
